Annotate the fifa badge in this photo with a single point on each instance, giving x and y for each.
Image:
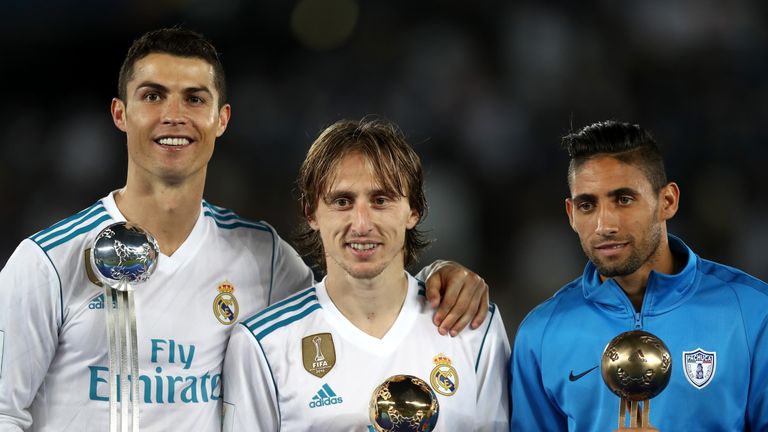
(318, 354)
(225, 307)
(444, 378)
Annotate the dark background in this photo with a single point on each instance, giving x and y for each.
(484, 90)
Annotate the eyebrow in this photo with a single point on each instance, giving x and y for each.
(613, 194)
(164, 89)
(341, 193)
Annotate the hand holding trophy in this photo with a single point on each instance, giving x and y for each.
(636, 366)
(123, 255)
(404, 403)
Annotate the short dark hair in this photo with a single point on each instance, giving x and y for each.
(628, 143)
(392, 160)
(175, 41)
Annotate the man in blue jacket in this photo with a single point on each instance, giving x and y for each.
(713, 318)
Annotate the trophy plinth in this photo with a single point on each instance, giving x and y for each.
(636, 366)
(404, 403)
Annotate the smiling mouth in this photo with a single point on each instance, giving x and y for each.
(176, 142)
(363, 247)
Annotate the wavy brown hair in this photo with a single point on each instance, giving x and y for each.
(392, 160)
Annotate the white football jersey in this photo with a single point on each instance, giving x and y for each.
(54, 364)
(300, 365)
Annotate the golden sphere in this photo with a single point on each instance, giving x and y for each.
(404, 403)
(636, 365)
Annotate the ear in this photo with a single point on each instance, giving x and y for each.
(224, 114)
(118, 114)
(311, 219)
(569, 211)
(669, 199)
(413, 219)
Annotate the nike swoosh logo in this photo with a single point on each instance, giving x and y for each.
(573, 377)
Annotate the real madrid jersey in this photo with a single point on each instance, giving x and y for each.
(300, 365)
(54, 353)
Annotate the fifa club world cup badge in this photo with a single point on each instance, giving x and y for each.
(444, 378)
(699, 367)
(318, 354)
(225, 306)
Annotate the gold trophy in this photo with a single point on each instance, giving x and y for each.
(636, 366)
(404, 403)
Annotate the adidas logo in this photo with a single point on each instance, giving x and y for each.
(97, 302)
(325, 396)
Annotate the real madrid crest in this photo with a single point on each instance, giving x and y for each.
(444, 378)
(318, 354)
(225, 307)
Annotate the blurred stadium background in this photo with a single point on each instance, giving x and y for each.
(483, 89)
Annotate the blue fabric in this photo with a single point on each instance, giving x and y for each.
(706, 306)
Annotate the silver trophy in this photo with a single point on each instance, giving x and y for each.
(123, 255)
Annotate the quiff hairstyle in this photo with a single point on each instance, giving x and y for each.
(178, 42)
(628, 143)
(392, 160)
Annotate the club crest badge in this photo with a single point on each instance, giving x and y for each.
(444, 378)
(699, 367)
(318, 354)
(225, 307)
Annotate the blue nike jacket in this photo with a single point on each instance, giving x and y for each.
(713, 318)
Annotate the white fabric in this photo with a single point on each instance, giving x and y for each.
(54, 375)
(267, 387)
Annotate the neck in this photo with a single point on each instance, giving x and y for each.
(372, 305)
(168, 212)
(634, 285)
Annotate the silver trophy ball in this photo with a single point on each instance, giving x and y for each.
(124, 254)
(636, 365)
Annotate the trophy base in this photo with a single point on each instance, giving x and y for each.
(636, 419)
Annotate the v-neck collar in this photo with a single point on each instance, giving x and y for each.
(190, 246)
(400, 328)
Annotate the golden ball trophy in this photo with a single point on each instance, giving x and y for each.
(404, 403)
(636, 366)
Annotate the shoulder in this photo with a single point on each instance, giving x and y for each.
(283, 315)
(538, 318)
(716, 275)
(229, 223)
(72, 230)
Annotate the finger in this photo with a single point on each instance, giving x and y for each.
(432, 289)
(482, 309)
(469, 314)
(451, 291)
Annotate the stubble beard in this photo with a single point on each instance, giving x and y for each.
(640, 255)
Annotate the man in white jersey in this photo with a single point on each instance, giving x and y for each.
(312, 361)
(215, 267)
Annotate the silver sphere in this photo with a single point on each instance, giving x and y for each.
(636, 365)
(404, 403)
(124, 254)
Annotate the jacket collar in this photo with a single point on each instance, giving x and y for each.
(663, 293)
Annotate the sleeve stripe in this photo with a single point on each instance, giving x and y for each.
(76, 218)
(278, 314)
(78, 232)
(492, 310)
(48, 235)
(294, 298)
(287, 321)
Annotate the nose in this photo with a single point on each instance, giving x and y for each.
(361, 223)
(173, 112)
(607, 221)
